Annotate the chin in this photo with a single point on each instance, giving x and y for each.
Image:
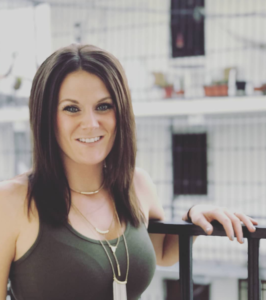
(92, 163)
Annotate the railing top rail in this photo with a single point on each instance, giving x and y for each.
(186, 228)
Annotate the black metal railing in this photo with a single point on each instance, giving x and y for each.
(186, 231)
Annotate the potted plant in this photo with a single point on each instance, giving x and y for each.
(216, 89)
(162, 82)
(262, 88)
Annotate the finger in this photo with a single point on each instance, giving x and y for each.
(253, 220)
(203, 223)
(184, 217)
(219, 215)
(237, 226)
(248, 222)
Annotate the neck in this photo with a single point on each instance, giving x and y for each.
(84, 178)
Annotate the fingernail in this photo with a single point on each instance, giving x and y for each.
(242, 240)
(254, 227)
(232, 238)
(208, 229)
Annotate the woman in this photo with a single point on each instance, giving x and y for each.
(74, 227)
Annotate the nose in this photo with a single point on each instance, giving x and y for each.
(89, 120)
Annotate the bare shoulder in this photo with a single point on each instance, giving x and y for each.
(147, 194)
(142, 179)
(13, 196)
(12, 201)
(14, 188)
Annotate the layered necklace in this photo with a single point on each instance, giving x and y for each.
(92, 193)
(119, 287)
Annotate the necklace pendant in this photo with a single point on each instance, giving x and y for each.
(101, 231)
(113, 248)
(119, 290)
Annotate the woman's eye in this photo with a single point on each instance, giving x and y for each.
(72, 109)
(104, 106)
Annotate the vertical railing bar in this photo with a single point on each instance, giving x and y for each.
(254, 292)
(185, 266)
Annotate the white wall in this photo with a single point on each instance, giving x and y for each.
(25, 33)
(7, 151)
(224, 288)
(237, 41)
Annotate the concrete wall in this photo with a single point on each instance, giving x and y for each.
(7, 151)
(224, 288)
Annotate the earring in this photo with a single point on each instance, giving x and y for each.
(104, 165)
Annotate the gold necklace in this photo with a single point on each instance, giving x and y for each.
(89, 193)
(103, 232)
(119, 287)
(113, 248)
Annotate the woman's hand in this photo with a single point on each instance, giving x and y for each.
(202, 215)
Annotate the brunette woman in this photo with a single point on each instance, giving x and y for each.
(75, 225)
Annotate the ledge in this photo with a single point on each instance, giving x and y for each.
(204, 106)
(14, 114)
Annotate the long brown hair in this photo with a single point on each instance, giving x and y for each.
(48, 185)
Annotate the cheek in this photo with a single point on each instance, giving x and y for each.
(113, 122)
(62, 127)
(113, 126)
(59, 126)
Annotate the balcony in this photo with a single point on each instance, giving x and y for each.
(187, 230)
(204, 106)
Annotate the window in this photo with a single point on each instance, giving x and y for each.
(187, 28)
(190, 164)
(243, 289)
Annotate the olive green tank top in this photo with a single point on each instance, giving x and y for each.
(63, 264)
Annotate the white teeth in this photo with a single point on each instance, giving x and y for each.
(90, 140)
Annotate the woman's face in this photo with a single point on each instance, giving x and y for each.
(85, 111)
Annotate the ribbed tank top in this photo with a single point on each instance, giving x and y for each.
(63, 264)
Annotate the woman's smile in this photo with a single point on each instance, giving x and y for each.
(90, 141)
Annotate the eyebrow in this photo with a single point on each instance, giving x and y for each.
(75, 101)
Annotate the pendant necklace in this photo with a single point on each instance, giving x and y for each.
(119, 287)
(113, 248)
(92, 193)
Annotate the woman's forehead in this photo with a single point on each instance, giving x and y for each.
(81, 84)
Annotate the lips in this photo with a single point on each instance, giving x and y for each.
(88, 141)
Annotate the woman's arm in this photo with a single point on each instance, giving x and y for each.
(166, 246)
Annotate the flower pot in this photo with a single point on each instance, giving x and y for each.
(216, 90)
(261, 88)
(241, 85)
(168, 91)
